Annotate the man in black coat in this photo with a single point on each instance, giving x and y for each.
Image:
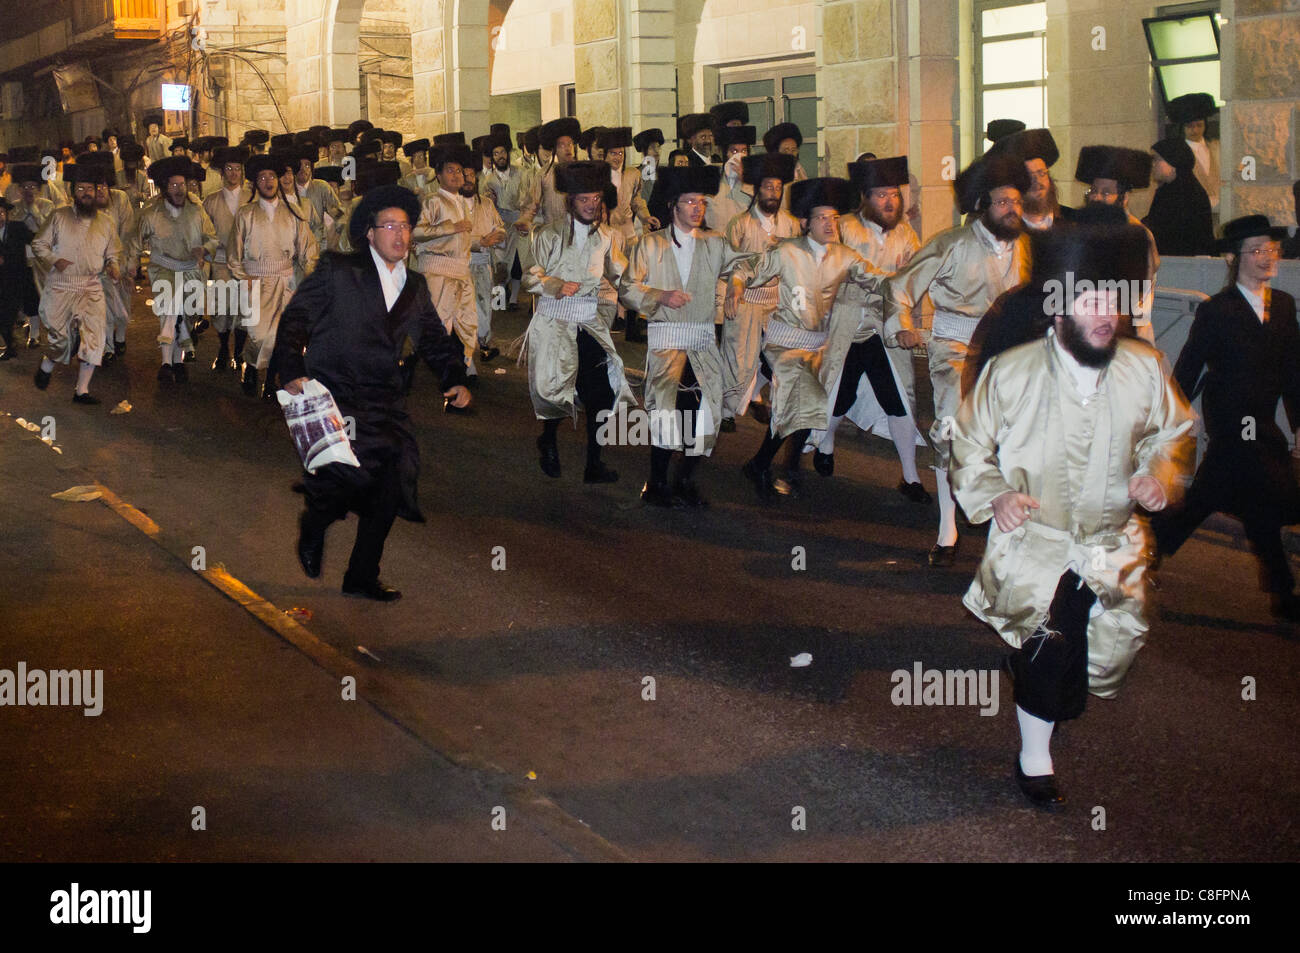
(346, 326)
(1247, 341)
(1179, 216)
(15, 276)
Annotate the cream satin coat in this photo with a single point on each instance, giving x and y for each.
(269, 250)
(175, 238)
(550, 345)
(742, 338)
(1025, 428)
(76, 294)
(652, 268)
(802, 377)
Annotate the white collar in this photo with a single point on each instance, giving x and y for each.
(1086, 379)
(1256, 301)
(998, 245)
(172, 210)
(818, 249)
(269, 207)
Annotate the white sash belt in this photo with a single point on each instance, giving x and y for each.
(680, 336)
(258, 269)
(783, 335)
(159, 260)
(769, 294)
(444, 265)
(955, 327)
(572, 309)
(480, 258)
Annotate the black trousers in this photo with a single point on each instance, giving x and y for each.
(688, 399)
(1051, 671)
(869, 357)
(593, 377)
(1253, 484)
(332, 494)
(9, 304)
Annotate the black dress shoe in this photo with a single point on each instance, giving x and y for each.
(824, 463)
(762, 480)
(7, 354)
(658, 494)
(166, 374)
(550, 460)
(914, 492)
(379, 591)
(728, 425)
(487, 354)
(119, 348)
(760, 412)
(107, 357)
(599, 473)
(84, 399)
(689, 493)
(311, 547)
(33, 343)
(249, 381)
(941, 556)
(471, 381)
(42, 379)
(789, 484)
(1041, 789)
(181, 373)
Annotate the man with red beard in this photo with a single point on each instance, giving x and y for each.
(963, 270)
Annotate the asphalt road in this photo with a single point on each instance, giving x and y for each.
(525, 689)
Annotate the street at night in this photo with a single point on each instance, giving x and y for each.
(618, 687)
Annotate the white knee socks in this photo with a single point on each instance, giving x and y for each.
(828, 438)
(903, 432)
(84, 371)
(947, 509)
(1035, 743)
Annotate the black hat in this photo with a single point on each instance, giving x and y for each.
(1131, 168)
(366, 147)
(106, 132)
(878, 174)
(532, 139)
(306, 151)
(994, 170)
(392, 137)
(27, 172)
(498, 136)
(320, 132)
(610, 196)
(999, 129)
(643, 139)
(1176, 152)
(692, 124)
(131, 152)
(201, 144)
(1190, 107)
(304, 137)
(282, 142)
(359, 126)
(782, 131)
(456, 152)
(449, 139)
(724, 113)
(376, 199)
(588, 137)
(615, 137)
(1030, 144)
(373, 175)
(337, 135)
(153, 119)
(333, 174)
(257, 137)
(223, 157)
(180, 142)
(479, 144)
(1248, 226)
(551, 132)
(164, 169)
(414, 146)
(769, 165)
(814, 193)
(500, 130)
(1097, 243)
(576, 178)
(729, 136)
(674, 181)
(467, 157)
(87, 171)
(256, 165)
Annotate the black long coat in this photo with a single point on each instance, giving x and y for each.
(15, 276)
(1180, 217)
(337, 329)
(1248, 367)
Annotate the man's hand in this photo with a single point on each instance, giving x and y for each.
(567, 289)
(653, 223)
(674, 299)
(295, 386)
(1012, 508)
(729, 304)
(522, 227)
(909, 339)
(459, 396)
(62, 264)
(1148, 492)
(113, 271)
(492, 239)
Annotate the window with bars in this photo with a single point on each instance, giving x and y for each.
(1010, 63)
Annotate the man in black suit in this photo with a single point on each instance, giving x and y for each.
(15, 276)
(1247, 341)
(346, 326)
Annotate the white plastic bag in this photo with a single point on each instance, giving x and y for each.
(318, 429)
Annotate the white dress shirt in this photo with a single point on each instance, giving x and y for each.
(391, 280)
